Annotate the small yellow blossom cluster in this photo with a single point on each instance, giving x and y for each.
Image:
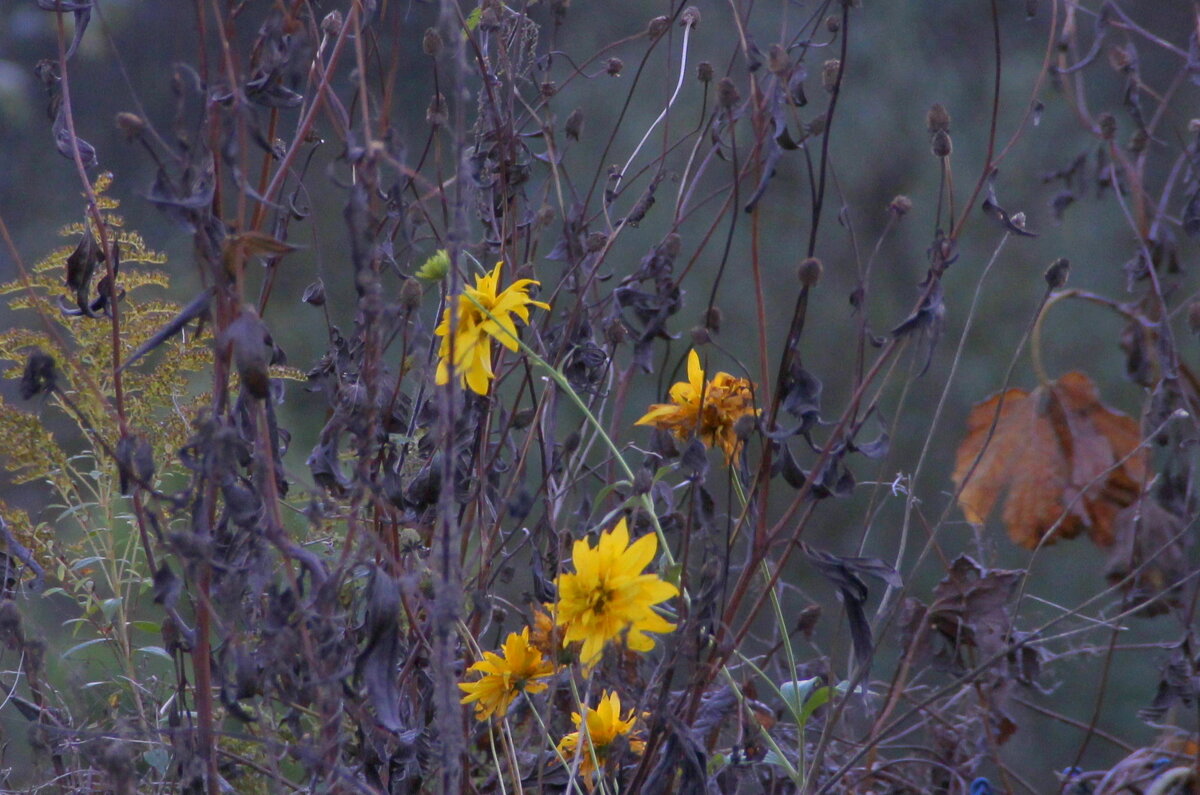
(506, 676)
(602, 726)
(485, 312)
(710, 410)
(608, 597)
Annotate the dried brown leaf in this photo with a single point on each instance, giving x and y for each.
(1057, 454)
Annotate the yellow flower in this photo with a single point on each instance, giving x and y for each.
(609, 597)
(506, 677)
(726, 400)
(604, 726)
(484, 313)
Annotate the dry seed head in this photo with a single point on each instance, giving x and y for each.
(435, 114)
(704, 72)
(546, 215)
(712, 319)
(727, 93)
(700, 336)
(574, 126)
(938, 118)
(1139, 140)
(810, 272)
(131, 125)
(410, 295)
(942, 146)
(777, 59)
(900, 206)
(595, 242)
(331, 25)
(830, 71)
(833, 23)
(817, 125)
(671, 245)
(431, 42)
(690, 17)
(548, 89)
(614, 67)
(1056, 275)
(1108, 126)
(657, 27)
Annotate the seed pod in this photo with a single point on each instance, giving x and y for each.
(410, 295)
(657, 27)
(713, 318)
(690, 17)
(810, 272)
(777, 60)
(574, 125)
(614, 67)
(1057, 273)
(942, 145)
(830, 71)
(435, 114)
(727, 93)
(938, 118)
(900, 206)
(700, 336)
(331, 25)
(704, 72)
(595, 242)
(548, 89)
(833, 23)
(432, 42)
(131, 125)
(1108, 126)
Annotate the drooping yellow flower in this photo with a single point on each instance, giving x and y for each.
(504, 678)
(609, 598)
(604, 725)
(726, 400)
(484, 313)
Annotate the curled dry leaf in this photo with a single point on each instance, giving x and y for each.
(1057, 455)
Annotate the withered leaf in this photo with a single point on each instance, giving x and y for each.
(40, 375)
(1057, 455)
(81, 265)
(376, 665)
(197, 307)
(251, 343)
(846, 574)
(1149, 541)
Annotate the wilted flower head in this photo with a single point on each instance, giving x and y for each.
(604, 725)
(608, 597)
(504, 678)
(484, 313)
(725, 401)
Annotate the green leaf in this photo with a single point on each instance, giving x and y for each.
(156, 651)
(109, 607)
(81, 646)
(153, 627)
(473, 19)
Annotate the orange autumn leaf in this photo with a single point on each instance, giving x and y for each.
(1048, 446)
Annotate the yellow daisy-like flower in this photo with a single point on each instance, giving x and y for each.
(608, 596)
(604, 726)
(506, 677)
(726, 400)
(484, 313)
